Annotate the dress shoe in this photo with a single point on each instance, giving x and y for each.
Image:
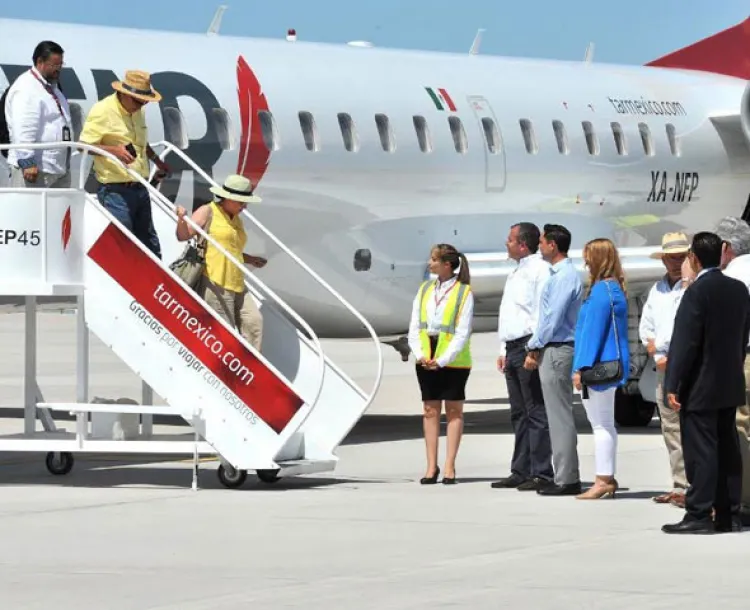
(449, 480)
(678, 500)
(663, 498)
(510, 482)
(690, 526)
(430, 480)
(533, 484)
(569, 489)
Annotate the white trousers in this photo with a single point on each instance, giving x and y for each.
(600, 409)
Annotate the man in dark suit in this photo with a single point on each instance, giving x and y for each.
(705, 383)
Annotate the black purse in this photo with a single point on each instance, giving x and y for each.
(610, 370)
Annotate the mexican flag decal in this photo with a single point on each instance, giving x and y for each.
(441, 99)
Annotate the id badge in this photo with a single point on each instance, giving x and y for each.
(66, 134)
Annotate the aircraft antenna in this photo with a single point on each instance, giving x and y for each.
(589, 55)
(213, 29)
(474, 50)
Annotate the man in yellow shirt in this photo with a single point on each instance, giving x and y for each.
(117, 125)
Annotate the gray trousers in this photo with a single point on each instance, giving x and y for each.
(555, 373)
(43, 180)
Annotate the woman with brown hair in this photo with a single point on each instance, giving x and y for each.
(439, 338)
(602, 358)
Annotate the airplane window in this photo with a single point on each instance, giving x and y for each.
(385, 131)
(592, 142)
(561, 136)
(529, 139)
(491, 135)
(620, 141)
(351, 141)
(174, 127)
(269, 130)
(423, 134)
(76, 116)
(223, 128)
(674, 142)
(648, 145)
(309, 131)
(459, 134)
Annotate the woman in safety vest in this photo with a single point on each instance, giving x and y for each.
(439, 338)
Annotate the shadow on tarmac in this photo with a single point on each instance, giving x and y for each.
(112, 470)
(377, 428)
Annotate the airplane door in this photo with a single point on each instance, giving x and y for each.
(494, 150)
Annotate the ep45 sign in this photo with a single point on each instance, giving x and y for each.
(39, 244)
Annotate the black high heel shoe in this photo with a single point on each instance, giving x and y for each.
(430, 480)
(449, 480)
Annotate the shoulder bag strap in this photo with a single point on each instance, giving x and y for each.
(614, 322)
(202, 242)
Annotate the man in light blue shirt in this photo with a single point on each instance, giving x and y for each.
(551, 349)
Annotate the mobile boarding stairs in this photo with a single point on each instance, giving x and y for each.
(280, 412)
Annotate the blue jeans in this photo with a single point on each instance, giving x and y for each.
(131, 205)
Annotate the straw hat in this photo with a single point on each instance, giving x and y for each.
(137, 84)
(236, 188)
(673, 243)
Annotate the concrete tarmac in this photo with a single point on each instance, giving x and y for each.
(128, 534)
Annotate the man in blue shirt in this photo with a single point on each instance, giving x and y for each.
(551, 350)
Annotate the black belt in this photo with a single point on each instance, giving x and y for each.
(128, 185)
(559, 344)
(514, 342)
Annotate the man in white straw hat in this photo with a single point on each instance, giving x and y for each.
(655, 332)
(223, 283)
(117, 125)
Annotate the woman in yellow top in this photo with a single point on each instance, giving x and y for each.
(223, 284)
(439, 337)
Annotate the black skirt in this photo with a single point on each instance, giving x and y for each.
(444, 383)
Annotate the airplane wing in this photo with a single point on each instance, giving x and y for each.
(489, 271)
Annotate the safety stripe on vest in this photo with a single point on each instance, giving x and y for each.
(422, 291)
(451, 330)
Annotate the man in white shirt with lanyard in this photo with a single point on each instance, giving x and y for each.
(37, 111)
(735, 263)
(531, 466)
(655, 330)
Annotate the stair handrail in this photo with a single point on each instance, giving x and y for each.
(166, 206)
(169, 147)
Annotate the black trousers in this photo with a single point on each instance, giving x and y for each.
(532, 453)
(713, 463)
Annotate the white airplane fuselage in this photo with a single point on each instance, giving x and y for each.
(330, 203)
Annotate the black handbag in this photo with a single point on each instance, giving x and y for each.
(609, 370)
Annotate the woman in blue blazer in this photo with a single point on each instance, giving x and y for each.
(602, 336)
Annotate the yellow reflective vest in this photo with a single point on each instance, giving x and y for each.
(456, 299)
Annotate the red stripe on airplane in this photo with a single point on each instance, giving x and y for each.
(448, 100)
(273, 401)
(254, 155)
